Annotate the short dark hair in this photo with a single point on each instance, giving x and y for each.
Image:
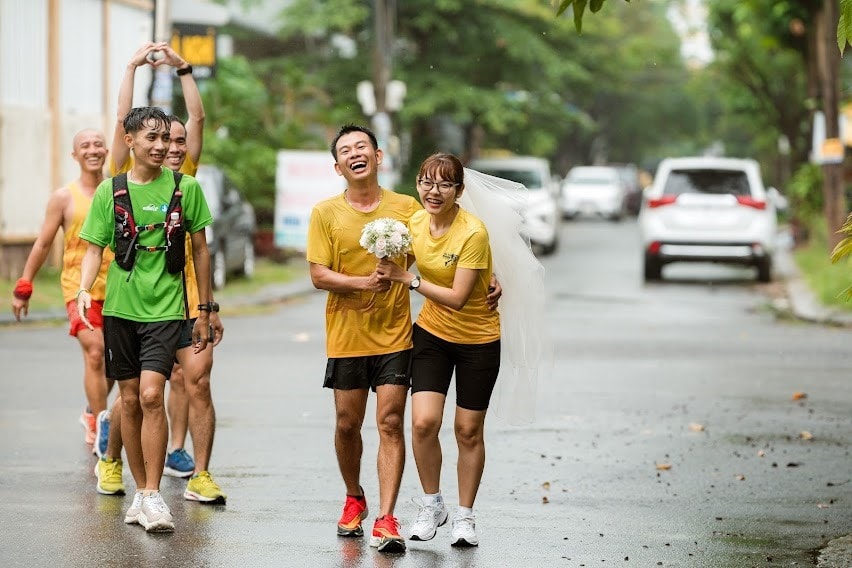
(176, 118)
(448, 166)
(349, 128)
(139, 117)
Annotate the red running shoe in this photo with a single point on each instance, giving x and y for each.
(386, 535)
(354, 511)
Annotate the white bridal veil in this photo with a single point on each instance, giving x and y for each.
(525, 342)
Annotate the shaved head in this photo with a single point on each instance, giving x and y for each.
(87, 133)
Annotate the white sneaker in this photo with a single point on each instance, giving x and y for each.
(155, 515)
(132, 515)
(464, 531)
(429, 518)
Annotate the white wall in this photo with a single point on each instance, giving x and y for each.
(24, 117)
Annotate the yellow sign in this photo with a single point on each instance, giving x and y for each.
(197, 45)
(832, 151)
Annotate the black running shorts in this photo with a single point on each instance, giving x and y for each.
(349, 373)
(476, 368)
(132, 347)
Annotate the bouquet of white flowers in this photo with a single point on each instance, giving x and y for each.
(386, 237)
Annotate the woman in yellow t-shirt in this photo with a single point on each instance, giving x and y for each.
(455, 331)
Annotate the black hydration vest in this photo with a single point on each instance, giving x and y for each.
(127, 231)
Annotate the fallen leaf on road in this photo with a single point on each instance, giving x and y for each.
(823, 505)
(546, 486)
(799, 395)
(696, 427)
(761, 453)
(805, 435)
(545, 500)
(739, 477)
(664, 466)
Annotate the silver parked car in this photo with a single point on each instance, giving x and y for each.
(708, 209)
(540, 213)
(594, 190)
(230, 237)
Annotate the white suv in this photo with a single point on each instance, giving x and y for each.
(540, 215)
(708, 209)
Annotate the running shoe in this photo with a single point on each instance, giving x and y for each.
(464, 531)
(108, 472)
(179, 464)
(386, 537)
(132, 515)
(155, 515)
(429, 518)
(101, 433)
(354, 512)
(202, 488)
(87, 420)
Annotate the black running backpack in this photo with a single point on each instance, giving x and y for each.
(127, 231)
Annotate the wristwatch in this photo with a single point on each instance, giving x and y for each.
(208, 307)
(414, 284)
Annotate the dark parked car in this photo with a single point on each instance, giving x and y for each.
(231, 236)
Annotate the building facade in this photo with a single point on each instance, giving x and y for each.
(61, 62)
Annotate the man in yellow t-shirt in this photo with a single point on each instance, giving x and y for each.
(368, 330)
(190, 403)
(67, 208)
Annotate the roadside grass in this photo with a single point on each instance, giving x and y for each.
(827, 280)
(47, 294)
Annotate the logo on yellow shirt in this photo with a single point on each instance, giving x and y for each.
(450, 259)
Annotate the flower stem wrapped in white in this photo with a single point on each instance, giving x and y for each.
(386, 238)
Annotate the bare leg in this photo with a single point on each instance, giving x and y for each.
(178, 408)
(470, 436)
(350, 407)
(427, 413)
(114, 442)
(390, 411)
(202, 415)
(155, 430)
(131, 430)
(95, 383)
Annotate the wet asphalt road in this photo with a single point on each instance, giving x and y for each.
(634, 366)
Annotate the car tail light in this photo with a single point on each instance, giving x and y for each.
(654, 247)
(751, 202)
(664, 200)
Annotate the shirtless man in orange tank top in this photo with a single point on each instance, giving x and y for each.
(67, 208)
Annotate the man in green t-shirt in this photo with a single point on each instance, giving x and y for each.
(144, 307)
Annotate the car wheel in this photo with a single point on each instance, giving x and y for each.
(248, 260)
(219, 270)
(764, 270)
(653, 269)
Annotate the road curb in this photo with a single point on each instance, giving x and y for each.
(803, 303)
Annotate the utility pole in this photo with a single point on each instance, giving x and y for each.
(160, 94)
(828, 65)
(384, 13)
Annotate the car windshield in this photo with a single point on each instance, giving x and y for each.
(714, 182)
(530, 178)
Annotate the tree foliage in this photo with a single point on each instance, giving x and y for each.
(506, 74)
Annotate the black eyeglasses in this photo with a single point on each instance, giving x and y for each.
(443, 186)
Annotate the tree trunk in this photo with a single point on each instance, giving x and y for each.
(828, 57)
